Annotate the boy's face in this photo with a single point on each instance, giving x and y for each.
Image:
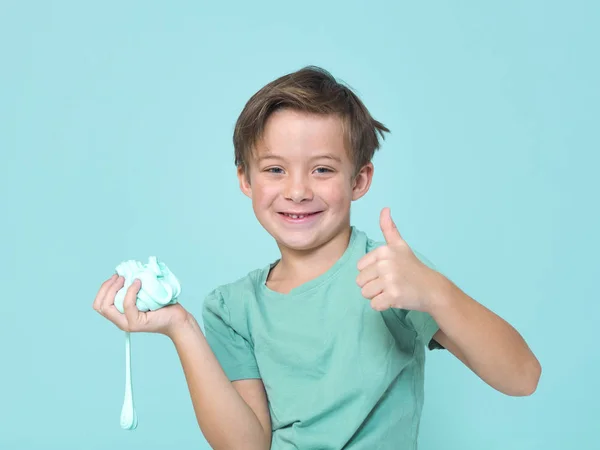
(301, 179)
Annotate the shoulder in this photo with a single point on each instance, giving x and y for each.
(232, 301)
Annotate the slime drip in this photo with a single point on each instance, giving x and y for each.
(159, 288)
(129, 419)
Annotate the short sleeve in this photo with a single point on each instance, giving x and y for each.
(425, 327)
(422, 322)
(233, 351)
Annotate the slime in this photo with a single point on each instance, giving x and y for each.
(159, 288)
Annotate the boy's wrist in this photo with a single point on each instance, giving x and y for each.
(182, 326)
(440, 294)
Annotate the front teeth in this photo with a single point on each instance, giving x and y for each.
(294, 216)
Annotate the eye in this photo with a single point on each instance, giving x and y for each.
(275, 170)
(323, 170)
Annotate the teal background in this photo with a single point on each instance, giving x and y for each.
(116, 121)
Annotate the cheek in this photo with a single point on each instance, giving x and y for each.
(263, 194)
(338, 193)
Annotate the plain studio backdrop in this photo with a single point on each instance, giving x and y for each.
(116, 121)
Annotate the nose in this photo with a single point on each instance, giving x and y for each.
(298, 189)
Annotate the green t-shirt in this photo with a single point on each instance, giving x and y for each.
(337, 373)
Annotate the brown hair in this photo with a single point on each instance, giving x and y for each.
(313, 90)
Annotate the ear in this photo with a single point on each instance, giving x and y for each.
(362, 181)
(244, 180)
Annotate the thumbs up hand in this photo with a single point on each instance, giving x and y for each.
(391, 276)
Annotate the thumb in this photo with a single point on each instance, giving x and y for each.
(388, 227)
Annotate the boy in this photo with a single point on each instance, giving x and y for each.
(325, 347)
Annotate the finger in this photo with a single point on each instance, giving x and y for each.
(102, 292)
(388, 227)
(132, 313)
(381, 253)
(367, 274)
(372, 288)
(109, 297)
(380, 302)
(366, 260)
(373, 256)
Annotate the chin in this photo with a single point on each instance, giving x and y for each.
(298, 243)
(294, 239)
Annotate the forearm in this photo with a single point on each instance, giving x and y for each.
(492, 348)
(225, 419)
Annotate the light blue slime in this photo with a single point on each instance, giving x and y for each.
(159, 288)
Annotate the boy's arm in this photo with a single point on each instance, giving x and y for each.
(230, 415)
(483, 341)
(393, 276)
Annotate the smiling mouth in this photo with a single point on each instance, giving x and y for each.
(299, 216)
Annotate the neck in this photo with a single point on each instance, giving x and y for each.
(296, 267)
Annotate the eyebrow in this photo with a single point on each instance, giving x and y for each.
(269, 155)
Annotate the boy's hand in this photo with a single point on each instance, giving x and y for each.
(164, 320)
(392, 276)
